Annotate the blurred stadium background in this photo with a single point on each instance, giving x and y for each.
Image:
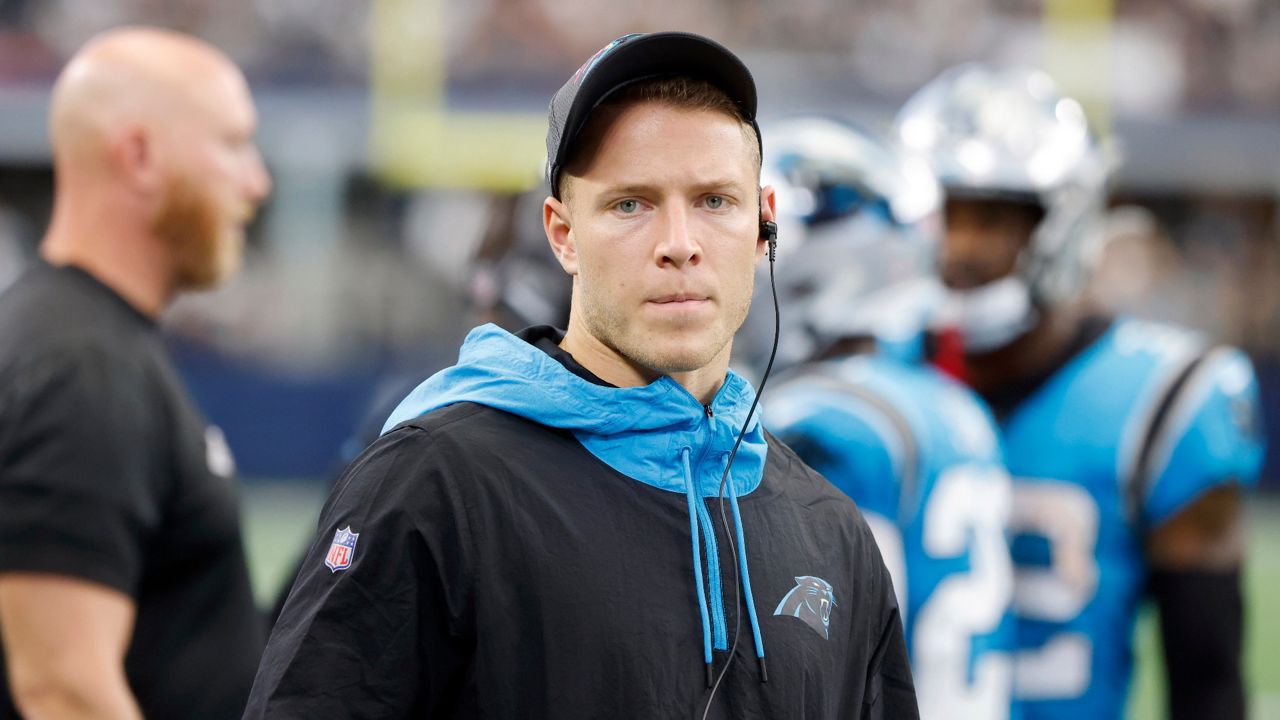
(399, 133)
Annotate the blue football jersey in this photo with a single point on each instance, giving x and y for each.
(1118, 440)
(919, 455)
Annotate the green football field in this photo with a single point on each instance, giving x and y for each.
(280, 519)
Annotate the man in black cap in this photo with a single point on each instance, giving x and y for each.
(593, 523)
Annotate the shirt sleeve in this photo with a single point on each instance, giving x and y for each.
(1212, 436)
(81, 467)
(377, 623)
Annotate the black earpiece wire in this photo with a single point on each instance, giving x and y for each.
(769, 231)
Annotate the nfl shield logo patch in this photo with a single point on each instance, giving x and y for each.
(342, 550)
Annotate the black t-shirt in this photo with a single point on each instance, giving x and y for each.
(109, 473)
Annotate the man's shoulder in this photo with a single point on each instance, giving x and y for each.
(41, 290)
(1143, 346)
(50, 317)
(788, 475)
(463, 422)
(438, 462)
(452, 437)
(33, 357)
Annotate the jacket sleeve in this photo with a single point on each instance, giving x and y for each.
(890, 692)
(376, 624)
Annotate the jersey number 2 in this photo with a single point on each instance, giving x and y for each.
(966, 514)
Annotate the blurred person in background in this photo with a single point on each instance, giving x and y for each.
(123, 585)
(914, 449)
(532, 535)
(515, 283)
(1130, 443)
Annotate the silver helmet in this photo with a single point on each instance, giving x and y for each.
(1010, 134)
(857, 223)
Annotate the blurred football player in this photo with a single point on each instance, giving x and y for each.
(1129, 442)
(914, 449)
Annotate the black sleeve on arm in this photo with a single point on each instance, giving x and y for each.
(1201, 620)
(890, 691)
(386, 637)
(82, 467)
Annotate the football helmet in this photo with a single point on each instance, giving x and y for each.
(857, 223)
(1011, 135)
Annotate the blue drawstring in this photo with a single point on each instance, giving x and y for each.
(698, 516)
(691, 497)
(720, 633)
(746, 580)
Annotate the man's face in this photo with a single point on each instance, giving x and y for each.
(217, 184)
(664, 234)
(983, 240)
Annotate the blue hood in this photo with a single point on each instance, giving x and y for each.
(638, 431)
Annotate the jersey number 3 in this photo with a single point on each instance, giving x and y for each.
(1066, 516)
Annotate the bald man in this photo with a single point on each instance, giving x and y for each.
(123, 586)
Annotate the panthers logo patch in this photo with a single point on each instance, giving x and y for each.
(810, 600)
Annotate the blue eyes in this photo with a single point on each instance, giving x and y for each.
(631, 205)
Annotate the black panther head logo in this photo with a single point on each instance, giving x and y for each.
(810, 600)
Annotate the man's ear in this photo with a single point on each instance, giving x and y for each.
(558, 226)
(768, 211)
(134, 153)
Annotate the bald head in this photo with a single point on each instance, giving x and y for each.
(152, 135)
(131, 77)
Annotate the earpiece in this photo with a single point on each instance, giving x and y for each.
(769, 234)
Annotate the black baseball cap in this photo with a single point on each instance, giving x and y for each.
(634, 58)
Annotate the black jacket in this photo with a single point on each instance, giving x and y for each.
(501, 569)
